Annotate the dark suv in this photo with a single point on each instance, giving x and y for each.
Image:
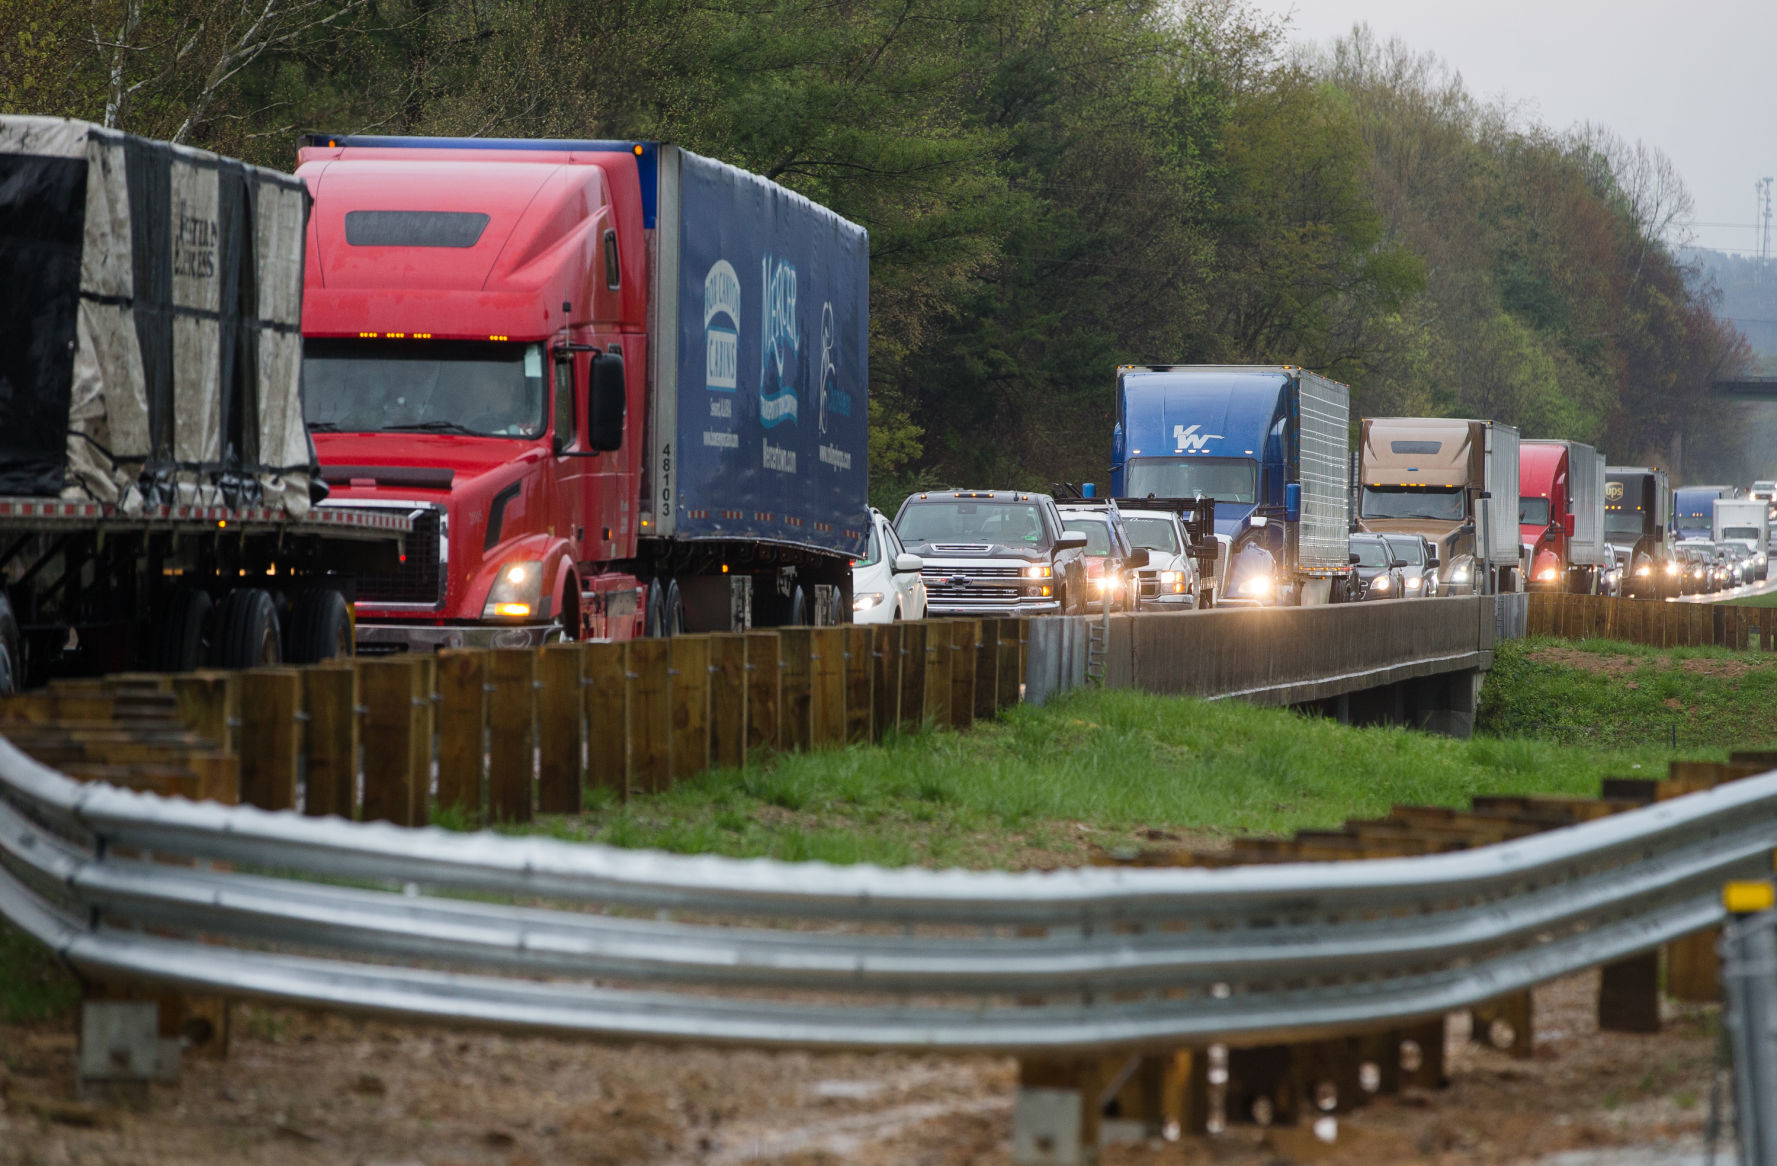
(994, 552)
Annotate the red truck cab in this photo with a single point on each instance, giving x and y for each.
(475, 348)
(1544, 521)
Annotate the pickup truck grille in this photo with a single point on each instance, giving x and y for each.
(981, 593)
(420, 580)
(942, 573)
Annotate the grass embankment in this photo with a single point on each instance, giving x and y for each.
(1768, 599)
(34, 984)
(1611, 694)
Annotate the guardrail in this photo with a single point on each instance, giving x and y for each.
(1654, 622)
(242, 902)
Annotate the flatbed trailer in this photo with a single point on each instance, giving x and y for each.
(89, 588)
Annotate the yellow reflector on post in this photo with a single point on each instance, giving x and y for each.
(1747, 897)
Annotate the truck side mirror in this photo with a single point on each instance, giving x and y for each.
(1567, 525)
(1354, 558)
(1138, 558)
(1431, 556)
(1292, 502)
(1070, 540)
(607, 400)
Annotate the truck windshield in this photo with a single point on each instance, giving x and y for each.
(944, 521)
(1440, 503)
(486, 388)
(1533, 512)
(1096, 530)
(1156, 534)
(1623, 523)
(1224, 479)
(1748, 533)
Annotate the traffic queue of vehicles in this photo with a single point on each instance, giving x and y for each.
(437, 392)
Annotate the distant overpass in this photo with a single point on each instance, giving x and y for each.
(1747, 386)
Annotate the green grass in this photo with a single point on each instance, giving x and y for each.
(1768, 599)
(34, 984)
(1041, 786)
(1612, 694)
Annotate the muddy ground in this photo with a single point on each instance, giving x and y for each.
(301, 1090)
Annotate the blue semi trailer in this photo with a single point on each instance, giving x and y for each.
(1270, 443)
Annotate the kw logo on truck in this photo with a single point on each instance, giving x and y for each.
(782, 341)
(721, 337)
(1189, 439)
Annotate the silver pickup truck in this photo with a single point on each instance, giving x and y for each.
(994, 553)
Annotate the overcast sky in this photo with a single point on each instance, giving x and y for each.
(1697, 79)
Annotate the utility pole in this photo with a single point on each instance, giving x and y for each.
(1762, 219)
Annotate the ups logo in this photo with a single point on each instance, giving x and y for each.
(1613, 491)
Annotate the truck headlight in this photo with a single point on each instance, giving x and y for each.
(866, 601)
(1170, 577)
(1672, 568)
(517, 592)
(1643, 571)
(1257, 585)
(1038, 572)
(1547, 574)
(1460, 575)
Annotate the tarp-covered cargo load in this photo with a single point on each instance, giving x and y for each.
(150, 334)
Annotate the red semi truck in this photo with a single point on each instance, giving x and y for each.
(1561, 514)
(617, 388)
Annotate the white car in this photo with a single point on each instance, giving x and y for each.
(886, 584)
(1170, 581)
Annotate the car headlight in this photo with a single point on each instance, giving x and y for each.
(1109, 582)
(1760, 560)
(866, 601)
(1256, 585)
(517, 592)
(1042, 572)
(1644, 570)
(1671, 568)
(1380, 583)
(1415, 583)
(1460, 575)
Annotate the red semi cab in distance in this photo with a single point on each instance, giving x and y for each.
(517, 345)
(1561, 514)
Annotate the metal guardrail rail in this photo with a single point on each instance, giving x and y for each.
(241, 902)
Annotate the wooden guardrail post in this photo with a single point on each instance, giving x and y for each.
(689, 747)
(271, 703)
(965, 650)
(728, 700)
(765, 690)
(1011, 666)
(608, 690)
(913, 675)
(512, 734)
(208, 703)
(395, 735)
(559, 738)
(937, 657)
(885, 652)
(827, 688)
(796, 724)
(331, 693)
(987, 669)
(860, 671)
(462, 731)
(650, 716)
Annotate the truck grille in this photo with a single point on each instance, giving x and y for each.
(942, 573)
(980, 593)
(421, 578)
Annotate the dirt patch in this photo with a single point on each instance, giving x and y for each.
(302, 1089)
(1618, 666)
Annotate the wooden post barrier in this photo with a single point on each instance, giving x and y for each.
(938, 638)
(827, 688)
(1011, 666)
(796, 726)
(608, 691)
(885, 652)
(462, 691)
(965, 648)
(689, 746)
(913, 675)
(728, 700)
(650, 716)
(330, 691)
(512, 734)
(987, 666)
(765, 691)
(860, 672)
(394, 733)
(560, 710)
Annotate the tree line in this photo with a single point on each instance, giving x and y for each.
(1052, 188)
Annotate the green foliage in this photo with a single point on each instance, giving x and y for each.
(1051, 189)
(34, 984)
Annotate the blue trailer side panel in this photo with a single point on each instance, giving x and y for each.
(772, 350)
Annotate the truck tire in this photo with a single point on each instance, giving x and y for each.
(247, 633)
(673, 609)
(12, 660)
(320, 627)
(182, 631)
